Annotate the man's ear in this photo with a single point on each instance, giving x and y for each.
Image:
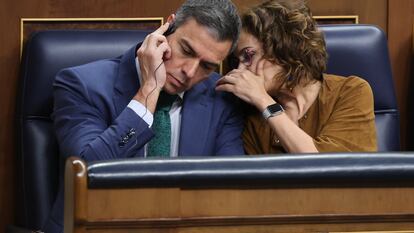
(172, 27)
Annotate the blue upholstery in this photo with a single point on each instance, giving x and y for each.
(45, 54)
(362, 50)
(271, 171)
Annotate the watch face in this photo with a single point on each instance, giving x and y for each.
(275, 108)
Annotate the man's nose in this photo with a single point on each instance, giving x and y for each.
(191, 67)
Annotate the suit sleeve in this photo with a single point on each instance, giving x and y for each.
(85, 129)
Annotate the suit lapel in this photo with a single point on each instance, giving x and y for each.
(127, 82)
(195, 121)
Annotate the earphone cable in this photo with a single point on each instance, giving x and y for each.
(152, 91)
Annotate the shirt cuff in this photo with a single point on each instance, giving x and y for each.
(141, 111)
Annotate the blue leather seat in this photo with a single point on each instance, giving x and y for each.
(44, 55)
(362, 50)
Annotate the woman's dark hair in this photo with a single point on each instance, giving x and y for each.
(290, 38)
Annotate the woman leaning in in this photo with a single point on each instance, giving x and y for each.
(296, 108)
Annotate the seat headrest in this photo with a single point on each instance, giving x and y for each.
(47, 52)
(362, 50)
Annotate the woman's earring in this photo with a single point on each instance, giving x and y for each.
(290, 79)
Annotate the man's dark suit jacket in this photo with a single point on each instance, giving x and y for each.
(92, 120)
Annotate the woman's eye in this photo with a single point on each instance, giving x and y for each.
(246, 57)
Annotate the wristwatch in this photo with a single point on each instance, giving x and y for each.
(272, 110)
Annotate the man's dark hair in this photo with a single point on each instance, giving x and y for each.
(219, 16)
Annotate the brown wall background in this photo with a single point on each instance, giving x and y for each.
(393, 16)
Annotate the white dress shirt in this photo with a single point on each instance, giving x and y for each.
(146, 115)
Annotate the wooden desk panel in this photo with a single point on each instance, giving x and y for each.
(202, 210)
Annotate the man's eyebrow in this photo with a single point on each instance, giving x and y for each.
(194, 53)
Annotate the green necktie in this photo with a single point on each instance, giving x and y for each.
(161, 143)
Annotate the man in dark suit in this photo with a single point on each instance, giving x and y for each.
(104, 110)
(110, 109)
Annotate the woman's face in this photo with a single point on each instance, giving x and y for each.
(249, 52)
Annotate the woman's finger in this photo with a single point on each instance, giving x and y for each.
(260, 68)
(225, 87)
(229, 78)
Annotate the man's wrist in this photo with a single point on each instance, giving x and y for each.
(141, 111)
(149, 88)
(148, 97)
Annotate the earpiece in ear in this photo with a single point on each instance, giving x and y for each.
(170, 30)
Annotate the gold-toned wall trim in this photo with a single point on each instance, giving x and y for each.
(354, 18)
(24, 21)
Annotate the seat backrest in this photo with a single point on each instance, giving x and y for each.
(362, 50)
(45, 53)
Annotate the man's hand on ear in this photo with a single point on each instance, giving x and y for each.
(151, 55)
